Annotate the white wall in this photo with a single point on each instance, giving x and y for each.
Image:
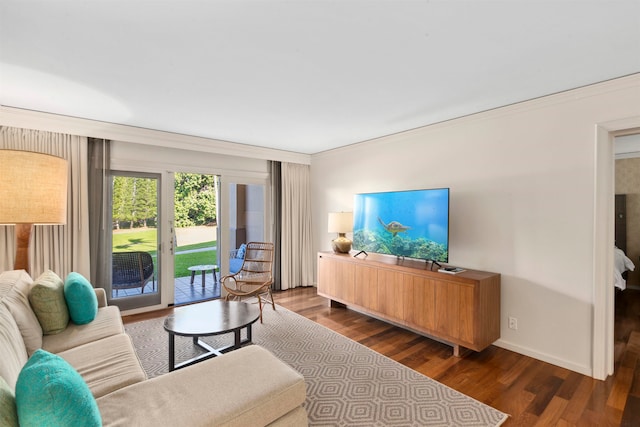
(522, 182)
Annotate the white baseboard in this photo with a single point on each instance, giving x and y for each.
(581, 369)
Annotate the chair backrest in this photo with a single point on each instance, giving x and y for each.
(131, 269)
(258, 262)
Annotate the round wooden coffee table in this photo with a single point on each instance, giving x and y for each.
(209, 318)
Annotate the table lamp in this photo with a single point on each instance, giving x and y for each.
(33, 190)
(341, 223)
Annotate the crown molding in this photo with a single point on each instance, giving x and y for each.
(17, 117)
(626, 83)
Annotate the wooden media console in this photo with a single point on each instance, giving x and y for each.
(461, 309)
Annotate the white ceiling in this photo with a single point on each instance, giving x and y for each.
(307, 75)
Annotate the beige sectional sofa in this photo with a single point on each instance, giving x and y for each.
(246, 387)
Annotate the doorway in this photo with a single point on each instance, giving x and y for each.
(627, 246)
(603, 259)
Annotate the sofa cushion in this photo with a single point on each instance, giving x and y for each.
(14, 294)
(81, 299)
(47, 300)
(107, 323)
(297, 417)
(8, 412)
(251, 387)
(106, 365)
(102, 297)
(50, 392)
(13, 354)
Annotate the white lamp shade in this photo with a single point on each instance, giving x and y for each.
(340, 222)
(33, 188)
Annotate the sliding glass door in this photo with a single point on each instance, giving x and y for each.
(196, 236)
(176, 251)
(246, 219)
(135, 237)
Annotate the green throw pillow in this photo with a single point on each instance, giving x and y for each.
(8, 413)
(47, 301)
(81, 299)
(49, 392)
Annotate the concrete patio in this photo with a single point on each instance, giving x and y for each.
(185, 292)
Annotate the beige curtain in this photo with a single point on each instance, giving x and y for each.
(60, 248)
(297, 250)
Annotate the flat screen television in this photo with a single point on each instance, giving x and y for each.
(411, 224)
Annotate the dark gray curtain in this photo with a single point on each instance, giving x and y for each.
(98, 170)
(276, 203)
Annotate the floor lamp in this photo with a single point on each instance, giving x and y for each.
(33, 190)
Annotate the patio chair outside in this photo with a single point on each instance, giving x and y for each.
(132, 270)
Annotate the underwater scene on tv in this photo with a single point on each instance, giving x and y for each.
(412, 224)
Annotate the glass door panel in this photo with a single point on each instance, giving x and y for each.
(135, 259)
(246, 219)
(196, 258)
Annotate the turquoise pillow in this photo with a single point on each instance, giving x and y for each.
(81, 299)
(49, 392)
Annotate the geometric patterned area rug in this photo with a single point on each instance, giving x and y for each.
(348, 384)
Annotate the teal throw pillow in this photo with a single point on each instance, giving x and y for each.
(81, 299)
(49, 392)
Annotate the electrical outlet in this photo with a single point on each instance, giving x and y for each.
(513, 323)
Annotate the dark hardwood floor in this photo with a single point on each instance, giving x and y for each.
(530, 391)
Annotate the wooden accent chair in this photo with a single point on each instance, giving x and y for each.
(131, 270)
(255, 277)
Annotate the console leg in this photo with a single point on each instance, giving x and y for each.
(336, 304)
(456, 350)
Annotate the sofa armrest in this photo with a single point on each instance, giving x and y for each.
(249, 386)
(102, 297)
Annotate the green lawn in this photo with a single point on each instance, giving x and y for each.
(183, 261)
(145, 240)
